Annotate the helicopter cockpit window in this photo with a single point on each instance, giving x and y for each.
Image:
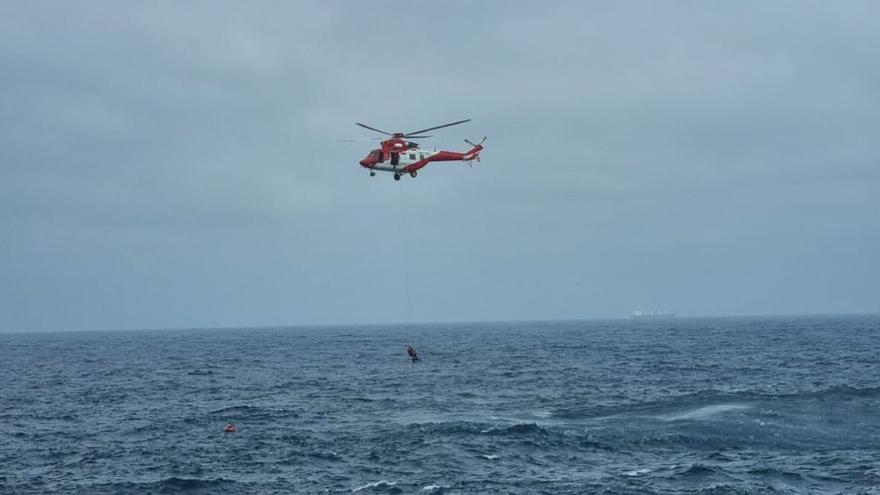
(412, 156)
(374, 153)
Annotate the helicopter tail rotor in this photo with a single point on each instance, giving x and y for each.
(468, 141)
(474, 153)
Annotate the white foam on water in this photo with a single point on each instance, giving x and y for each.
(430, 487)
(375, 484)
(637, 472)
(707, 411)
(491, 457)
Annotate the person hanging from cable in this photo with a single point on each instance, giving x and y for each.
(412, 353)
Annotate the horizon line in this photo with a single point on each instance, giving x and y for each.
(444, 322)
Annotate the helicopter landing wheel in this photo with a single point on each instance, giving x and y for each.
(413, 173)
(396, 176)
(372, 173)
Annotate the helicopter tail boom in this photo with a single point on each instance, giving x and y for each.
(474, 152)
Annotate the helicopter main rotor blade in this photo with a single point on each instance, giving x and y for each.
(358, 139)
(416, 137)
(468, 141)
(410, 134)
(372, 129)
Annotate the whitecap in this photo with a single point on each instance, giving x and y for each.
(707, 411)
(637, 472)
(491, 457)
(375, 484)
(430, 487)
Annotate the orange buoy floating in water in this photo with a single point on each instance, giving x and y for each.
(230, 428)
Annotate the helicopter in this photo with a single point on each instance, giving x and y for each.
(400, 156)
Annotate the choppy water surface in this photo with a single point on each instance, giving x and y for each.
(738, 405)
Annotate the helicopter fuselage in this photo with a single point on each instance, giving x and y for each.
(411, 160)
(391, 161)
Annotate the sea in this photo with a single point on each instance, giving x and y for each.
(762, 405)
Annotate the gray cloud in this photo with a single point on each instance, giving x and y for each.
(167, 165)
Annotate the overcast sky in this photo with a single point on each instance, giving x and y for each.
(176, 164)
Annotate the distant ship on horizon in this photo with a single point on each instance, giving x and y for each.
(644, 315)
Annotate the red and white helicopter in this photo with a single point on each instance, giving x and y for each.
(401, 156)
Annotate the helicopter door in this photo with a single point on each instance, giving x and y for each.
(395, 158)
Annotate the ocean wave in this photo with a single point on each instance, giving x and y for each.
(247, 411)
(705, 412)
(235, 409)
(433, 488)
(839, 392)
(536, 435)
(772, 473)
(169, 485)
(479, 428)
(195, 483)
(698, 471)
(739, 489)
(379, 486)
(299, 457)
(519, 429)
(711, 401)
